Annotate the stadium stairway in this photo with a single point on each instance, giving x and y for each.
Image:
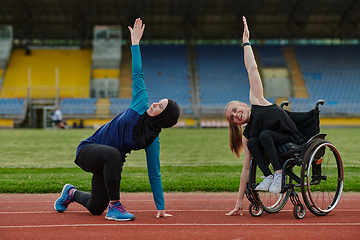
(102, 108)
(298, 80)
(193, 78)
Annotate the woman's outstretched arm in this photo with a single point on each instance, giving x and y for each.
(139, 101)
(256, 87)
(244, 179)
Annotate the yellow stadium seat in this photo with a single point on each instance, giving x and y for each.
(113, 73)
(106, 73)
(99, 73)
(73, 72)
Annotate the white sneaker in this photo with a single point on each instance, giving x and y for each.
(275, 187)
(265, 184)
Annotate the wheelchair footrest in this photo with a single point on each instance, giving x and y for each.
(250, 196)
(294, 197)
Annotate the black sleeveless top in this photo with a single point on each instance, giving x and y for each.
(272, 118)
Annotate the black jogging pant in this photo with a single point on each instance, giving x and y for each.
(105, 163)
(266, 142)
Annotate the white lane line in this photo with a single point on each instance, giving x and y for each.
(182, 224)
(168, 210)
(231, 200)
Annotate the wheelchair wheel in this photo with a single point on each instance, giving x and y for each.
(322, 177)
(272, 203)
(256, 209)
(299, 211)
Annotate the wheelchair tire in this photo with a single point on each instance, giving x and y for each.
(272, 203)
(256, 209)
(322, 177)
(299, 211)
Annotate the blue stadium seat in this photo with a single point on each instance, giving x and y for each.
(78, 106)
(270, 56)
(118, 105)
(12, 106)
(166, 73)
(331, 72)
(222, 75)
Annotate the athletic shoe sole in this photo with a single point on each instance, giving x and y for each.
(261, 189)
(123, 220)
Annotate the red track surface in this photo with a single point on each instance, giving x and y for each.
(195, 216)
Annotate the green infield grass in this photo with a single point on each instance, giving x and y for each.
(42, 161)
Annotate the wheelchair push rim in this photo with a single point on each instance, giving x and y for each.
(319, 175)
(273, 203)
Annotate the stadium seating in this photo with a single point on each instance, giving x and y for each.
(270, 56)
(222, 75)
(166, 74)
(119, 105)
(331, 73)
(11, 106)
(74, 68)
(78, 106)
(106, 73)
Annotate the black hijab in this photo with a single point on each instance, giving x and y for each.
(147, 128)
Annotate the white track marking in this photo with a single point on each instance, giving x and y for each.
(182, 224)
(168, 210)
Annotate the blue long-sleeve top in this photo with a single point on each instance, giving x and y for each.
(118, 132)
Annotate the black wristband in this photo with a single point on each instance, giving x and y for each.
(245, 44)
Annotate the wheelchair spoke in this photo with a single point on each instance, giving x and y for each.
(322, 187)
(270, 203)
(271, 200)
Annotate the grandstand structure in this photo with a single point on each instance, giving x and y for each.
(191, 51)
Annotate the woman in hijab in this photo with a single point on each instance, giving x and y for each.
(103, 154)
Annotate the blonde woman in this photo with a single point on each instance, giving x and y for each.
(267, 126)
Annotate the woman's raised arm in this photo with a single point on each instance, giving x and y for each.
(256, 87)
(137, 31)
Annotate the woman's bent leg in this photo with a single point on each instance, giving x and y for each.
(96, 201)
(269, 139)
(105, 163)
(256, 149)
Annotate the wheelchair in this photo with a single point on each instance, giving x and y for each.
(320, 178)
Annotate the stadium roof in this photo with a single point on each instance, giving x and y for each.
(184, 19)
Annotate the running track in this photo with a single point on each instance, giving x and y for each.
(195, 216)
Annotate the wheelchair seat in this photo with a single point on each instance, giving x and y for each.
(289, 149)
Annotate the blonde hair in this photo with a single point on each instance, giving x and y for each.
(235, 133)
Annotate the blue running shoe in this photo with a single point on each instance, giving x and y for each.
(62, 203)
(119, 213)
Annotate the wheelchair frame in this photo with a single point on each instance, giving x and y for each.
(313, 157)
